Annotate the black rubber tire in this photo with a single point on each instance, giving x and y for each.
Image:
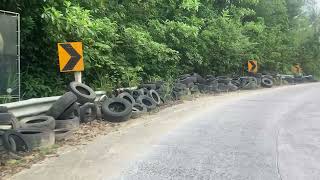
(38, 138)
(266, 82)
(3, 109)
(188, 80)
(155, 96)
(136, 93)
(147, 101)
(138, 110)
(232, 87)
(88, 112)
(199, 78)
(175, 96)
(83, 92)
(223, 79)
(71, 124)
(184, 76)
(116, 110)
(194, 89)
(179, 86)
(38, 122)
(63, 103)
(140, 107)
(62, 134)
(9, 119)
(127, 97)
(71, 112)
(136, 113)
(148, 86)
(20, 143)
(2, 148)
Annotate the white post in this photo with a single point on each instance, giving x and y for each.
(77, 77)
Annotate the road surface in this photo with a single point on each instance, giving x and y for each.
(270, 134)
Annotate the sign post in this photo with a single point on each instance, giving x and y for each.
(252, 66)
(296, 69)
(71, 58)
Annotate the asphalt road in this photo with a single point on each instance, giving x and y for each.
(264, 135)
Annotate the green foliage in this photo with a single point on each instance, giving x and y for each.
(127, 42)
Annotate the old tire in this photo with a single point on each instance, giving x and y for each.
(116, 110)
(63, 103)
(20, 144)
(147, 101)
(148, 86)
(83, 92)
(38, 122)
(71, 112)
(127, 96)
(8, 119)
(138, 110)
(71, 124)
(62, 134)
(266, 82)
(38, 138)
(136, 93)
(88, 112)
(155, 96)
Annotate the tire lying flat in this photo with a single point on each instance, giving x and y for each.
(71, 124)
(39, 122)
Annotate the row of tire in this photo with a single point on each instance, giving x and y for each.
(81, 104)
(194, 83)
(65, 115)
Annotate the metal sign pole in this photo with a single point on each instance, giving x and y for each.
(78, 76)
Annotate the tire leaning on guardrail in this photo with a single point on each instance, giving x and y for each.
(61, 105)
(83, 92)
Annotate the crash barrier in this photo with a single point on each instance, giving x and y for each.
(40, 122)
(36, 106)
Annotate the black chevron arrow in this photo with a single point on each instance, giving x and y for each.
(253, 66)
(74, 59)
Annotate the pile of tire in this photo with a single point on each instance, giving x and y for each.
(59, 122)
(71, 108)
(126, 103)
(27, 134)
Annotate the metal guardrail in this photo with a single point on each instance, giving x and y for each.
(33, 107)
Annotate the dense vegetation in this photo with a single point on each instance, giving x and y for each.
(127, 42)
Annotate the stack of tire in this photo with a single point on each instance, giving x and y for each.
(188, 84)
(10, 139)
(131, 103)
(73, 107)
(27, 134)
